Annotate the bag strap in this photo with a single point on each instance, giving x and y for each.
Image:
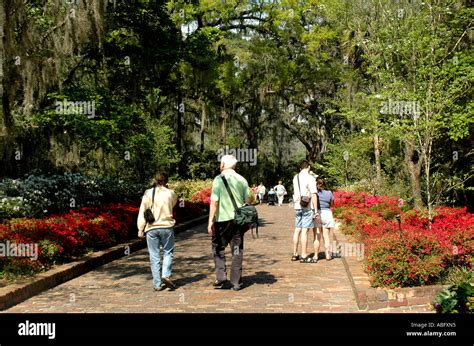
(299, 187)
(229, 192)
(152, 199)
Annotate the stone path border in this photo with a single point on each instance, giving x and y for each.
(370, 298)
(17, 293)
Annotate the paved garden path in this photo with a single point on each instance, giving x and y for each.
(273, 283)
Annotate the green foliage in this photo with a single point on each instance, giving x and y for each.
(456, 299)
(454, 275)
(359, 165)
(17, 267)
(50, 251)
(199, 165)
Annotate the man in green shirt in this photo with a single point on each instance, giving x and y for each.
(221, 223)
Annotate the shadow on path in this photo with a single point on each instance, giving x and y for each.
(259, 278)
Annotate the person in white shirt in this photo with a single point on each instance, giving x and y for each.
(280, 192)
(261, 189)
(304, 185)
(161, 201)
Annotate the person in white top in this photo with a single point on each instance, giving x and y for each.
(280, 192)
(161, 201)
(261, 190)
(304, 187)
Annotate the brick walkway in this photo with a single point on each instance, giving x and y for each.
(273, 282)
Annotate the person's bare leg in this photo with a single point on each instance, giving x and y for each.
(304, 242)
(296, 240)
(327, 242)
(316, 241)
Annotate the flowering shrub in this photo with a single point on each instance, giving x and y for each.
(187, 188)
(38, 195)
(253, 199)
(409, 260)
(414, 253)
(62, 237)
(203, 196)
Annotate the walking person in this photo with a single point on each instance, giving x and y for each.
(261, 192)
(157, 206)
(305, 204)
(221, 225)
(325, 222)
(254, 191)
(280, 192)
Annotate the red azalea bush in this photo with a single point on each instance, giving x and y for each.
(393, 256)
(413, 259)
(203, 196)
(62, 237)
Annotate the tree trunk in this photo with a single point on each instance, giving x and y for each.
(311, 153)
(413, 165)
(179, 124)
(7, 67)
(378, 168)
(203, 124)
(8, 88)
(429, 202)
(224, 116)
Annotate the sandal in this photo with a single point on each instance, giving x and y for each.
(308, 259)
(295, 258)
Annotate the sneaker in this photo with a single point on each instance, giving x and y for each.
(221, 284)
(236, 288)
(161, 288)
(168, 283)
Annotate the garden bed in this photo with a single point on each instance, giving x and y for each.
(25, 288)
(406, 259)
(371, 298)
(63, 238)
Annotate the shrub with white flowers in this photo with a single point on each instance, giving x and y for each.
(36, 195)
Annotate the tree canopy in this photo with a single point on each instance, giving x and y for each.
(376, 94)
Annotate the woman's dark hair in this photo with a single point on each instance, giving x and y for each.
(320, 184)
(304, 164)
(161, 179)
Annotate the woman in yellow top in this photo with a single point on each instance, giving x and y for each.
(161, 201)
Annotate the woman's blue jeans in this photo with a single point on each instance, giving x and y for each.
(155, 238)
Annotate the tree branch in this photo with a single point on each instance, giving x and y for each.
(457, 43)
